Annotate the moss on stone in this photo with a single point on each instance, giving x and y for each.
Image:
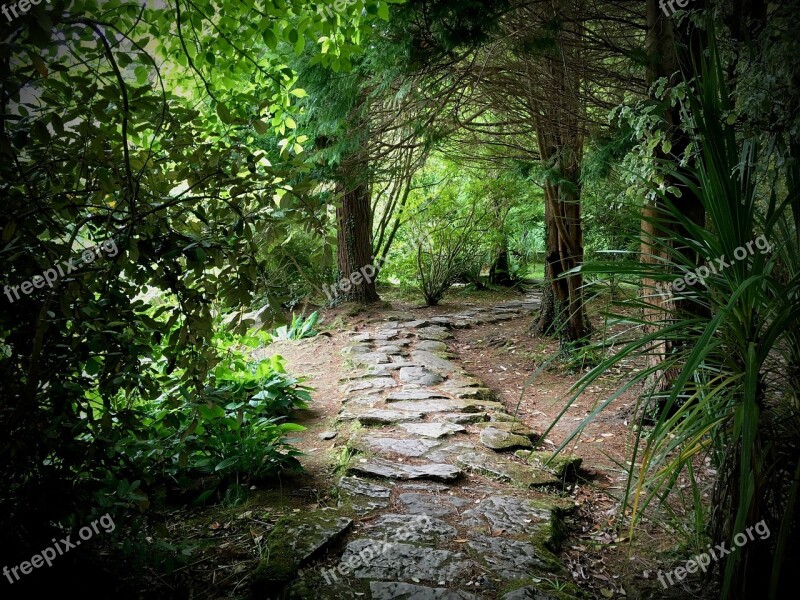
(564, 466)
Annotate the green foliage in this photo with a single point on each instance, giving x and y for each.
(173, 132)
(732, 371)
(232, 429)
(299, 328)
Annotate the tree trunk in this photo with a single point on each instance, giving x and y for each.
(499, 272)
(660, 45)
(560, 128)
(354, 237)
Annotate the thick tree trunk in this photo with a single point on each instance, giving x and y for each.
(660, 45)
(560, 135)
(354, 237)
(499, 272)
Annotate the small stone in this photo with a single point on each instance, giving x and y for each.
(327, 435)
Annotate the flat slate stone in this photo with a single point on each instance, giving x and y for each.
(528, 592)
(327, 435)
(502, 469)
(393, 561)
(416, 324)
(411, 529)
(472, 393)
(378, 416)
(462, 380)
(432, 430)
(448, 452)
(371, 358)
(379, 467)
(514, 516)
(362, 496)
(420, 376)
(465, 418)
(361, 337)
(413, 448)
(357, 349)
(432, 505)
(432, 346)
(383, 370)
(392, 350)
(413, 395)
(395, 590)
(446, 405)
(293, 541)
(434, 332)
(563, 465)
(362, 401)
(509, 426)
(434, 363)
(382, 344)
(386, 334)
(510, 559)
(499, 440)
(359, 386)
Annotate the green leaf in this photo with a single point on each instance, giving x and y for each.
(383, 11)
(224, 114)
(227, 463)
(299, 93)
(269, 39)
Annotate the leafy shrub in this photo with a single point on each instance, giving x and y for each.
(299, 328)
(233, 429)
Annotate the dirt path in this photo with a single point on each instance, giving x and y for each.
(439, 497)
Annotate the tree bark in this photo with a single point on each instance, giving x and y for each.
(666, 60)
(560, 128)
(354, 237)
(499, 272)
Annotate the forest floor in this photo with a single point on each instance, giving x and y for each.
(225, 544)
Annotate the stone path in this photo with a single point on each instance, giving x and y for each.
(441, 498)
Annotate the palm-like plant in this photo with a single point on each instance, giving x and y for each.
(735, 362)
